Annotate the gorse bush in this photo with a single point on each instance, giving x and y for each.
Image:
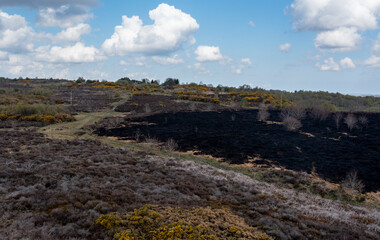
(35, 112)
(25, 109)
(154, 222)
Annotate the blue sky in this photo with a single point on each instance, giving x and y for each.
(329, 45)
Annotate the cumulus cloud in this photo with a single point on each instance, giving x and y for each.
(77, 53)
(15, 34)
(170, 30)
(347, 63)
(244, 63)
(65, 16)
(376, 47)
(46, 3)
(339, 40)
(72, 34)
(139, 61)
(332, 14)
(374, 59)
(328, 65)
(208, 53)
(3, 56)
(168, 60)
(199, 68)
(285, 47)
(336, 21)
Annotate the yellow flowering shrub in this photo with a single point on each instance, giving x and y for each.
(158, 223)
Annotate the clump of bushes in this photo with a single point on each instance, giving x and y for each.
(292, 124)
(57, 118)
(35, 112)
(197, 97)
(154, 222)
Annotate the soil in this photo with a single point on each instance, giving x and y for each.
(237, 137)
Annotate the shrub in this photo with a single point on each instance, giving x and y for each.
(296, 112)
(153, 222)
(319, 114)
(352, 181)
(59, 101)
(363, 120)
(292, 124)
(337, 118)
(171, 145)
(351, 121)
(263, 113)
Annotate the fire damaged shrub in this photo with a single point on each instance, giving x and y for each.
(337, 119)
(263, 113)
(296, 112)
(352, 181)
(154, 222)
(292, 124)
(363, 120)
(319, 114)
(351, 121)
(171, 145)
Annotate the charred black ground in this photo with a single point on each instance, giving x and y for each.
(237, 137)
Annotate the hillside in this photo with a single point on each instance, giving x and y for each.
(116, 161)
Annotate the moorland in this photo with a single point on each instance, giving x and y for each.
(141, 160)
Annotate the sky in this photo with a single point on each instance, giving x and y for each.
(328, 45)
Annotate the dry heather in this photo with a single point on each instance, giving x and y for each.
(57, 190)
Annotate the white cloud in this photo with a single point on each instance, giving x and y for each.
(168, 60)
(336, 21)
(97, 74)
(376, 47)
(208, 53)
(285, 47)
(237, 69)
(46, 3)
(246, 61)
(64, 17)
(15, 34)
(139, 61)
(171, 29)
(328, 65)
(77, 53)
(199, 68)
(339, 40)
(72, 34)
(347, 63)
(63, 74)
(252, 24)
(324, 15)
(123, 63)
(3, 56)
(374, 59)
